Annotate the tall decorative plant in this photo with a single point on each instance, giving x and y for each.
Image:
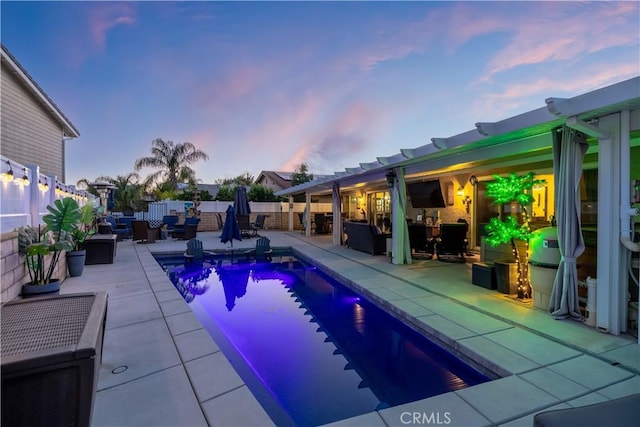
(506, 190)
(83, 228)
(38, 244)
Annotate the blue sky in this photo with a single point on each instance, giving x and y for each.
(266, 86)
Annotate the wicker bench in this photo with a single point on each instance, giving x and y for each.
(101, 249)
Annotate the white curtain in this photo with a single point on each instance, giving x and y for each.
(337, 215)
(569, 148)
(400, 246)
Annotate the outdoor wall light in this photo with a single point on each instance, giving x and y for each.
(460, 192)
(391, 177)
(8, 175)
(466, 202)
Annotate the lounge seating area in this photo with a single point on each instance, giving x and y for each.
(366, 238)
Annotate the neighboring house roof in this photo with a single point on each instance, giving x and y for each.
(30, 84)
(282, 179)
(212, 189)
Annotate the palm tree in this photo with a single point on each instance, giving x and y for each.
(173, 160)
(128, 191)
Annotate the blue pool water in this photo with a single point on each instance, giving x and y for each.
(310, 349)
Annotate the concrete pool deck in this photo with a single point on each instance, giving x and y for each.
(161, 368)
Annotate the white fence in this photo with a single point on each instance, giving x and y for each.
(25, 194)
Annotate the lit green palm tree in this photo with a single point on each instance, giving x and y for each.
(173, 162)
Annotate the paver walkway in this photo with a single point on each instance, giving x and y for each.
(161, 368)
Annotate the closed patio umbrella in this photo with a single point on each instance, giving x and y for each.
(241, 201)
(337, 215)
(230, 230)
(569, 148)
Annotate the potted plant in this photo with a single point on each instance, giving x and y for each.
(507, 190)
(82, 230)
(42, 247)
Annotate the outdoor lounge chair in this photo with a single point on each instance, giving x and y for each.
(144, 233)
(451, 242)
(195, 254)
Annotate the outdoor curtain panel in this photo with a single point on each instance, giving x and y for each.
(400, 231)
(569, 148)
(337, 215)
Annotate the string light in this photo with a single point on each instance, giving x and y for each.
(8, 175)
(25, 177)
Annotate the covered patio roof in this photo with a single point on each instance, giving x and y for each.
(522, 138)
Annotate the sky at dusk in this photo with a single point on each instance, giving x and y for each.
(268, 85)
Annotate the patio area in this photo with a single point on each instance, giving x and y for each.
(160, 367)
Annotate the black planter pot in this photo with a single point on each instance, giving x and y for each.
(51, 288)
(75, 262)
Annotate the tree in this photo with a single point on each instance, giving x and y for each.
(127, 192)
(260, 193)
(505, 190)
(244, 179)
(173, 162)
(204, 195)
(300, 176)
(225, 193)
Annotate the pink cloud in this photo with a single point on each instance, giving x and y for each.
(567, 33)
(513, 98)
(106, 17)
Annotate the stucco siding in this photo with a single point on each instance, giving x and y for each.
(30, 135)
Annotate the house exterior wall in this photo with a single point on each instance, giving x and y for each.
(30, 135)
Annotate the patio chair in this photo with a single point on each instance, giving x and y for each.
(219, 221)
(322, 225)
(450, 245)
(301, 217)
(144, 233)
(262, 251)
(419, 242)
(258, 225)
(120, 230)
(186, 231)
(245, 226)
(195, 254)
(170, 222)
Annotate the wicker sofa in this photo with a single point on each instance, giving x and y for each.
(365, 237)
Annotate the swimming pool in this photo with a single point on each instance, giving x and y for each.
(310, 349)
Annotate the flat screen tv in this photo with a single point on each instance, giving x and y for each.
(426, 194)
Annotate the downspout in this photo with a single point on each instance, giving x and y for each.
(626, 211)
